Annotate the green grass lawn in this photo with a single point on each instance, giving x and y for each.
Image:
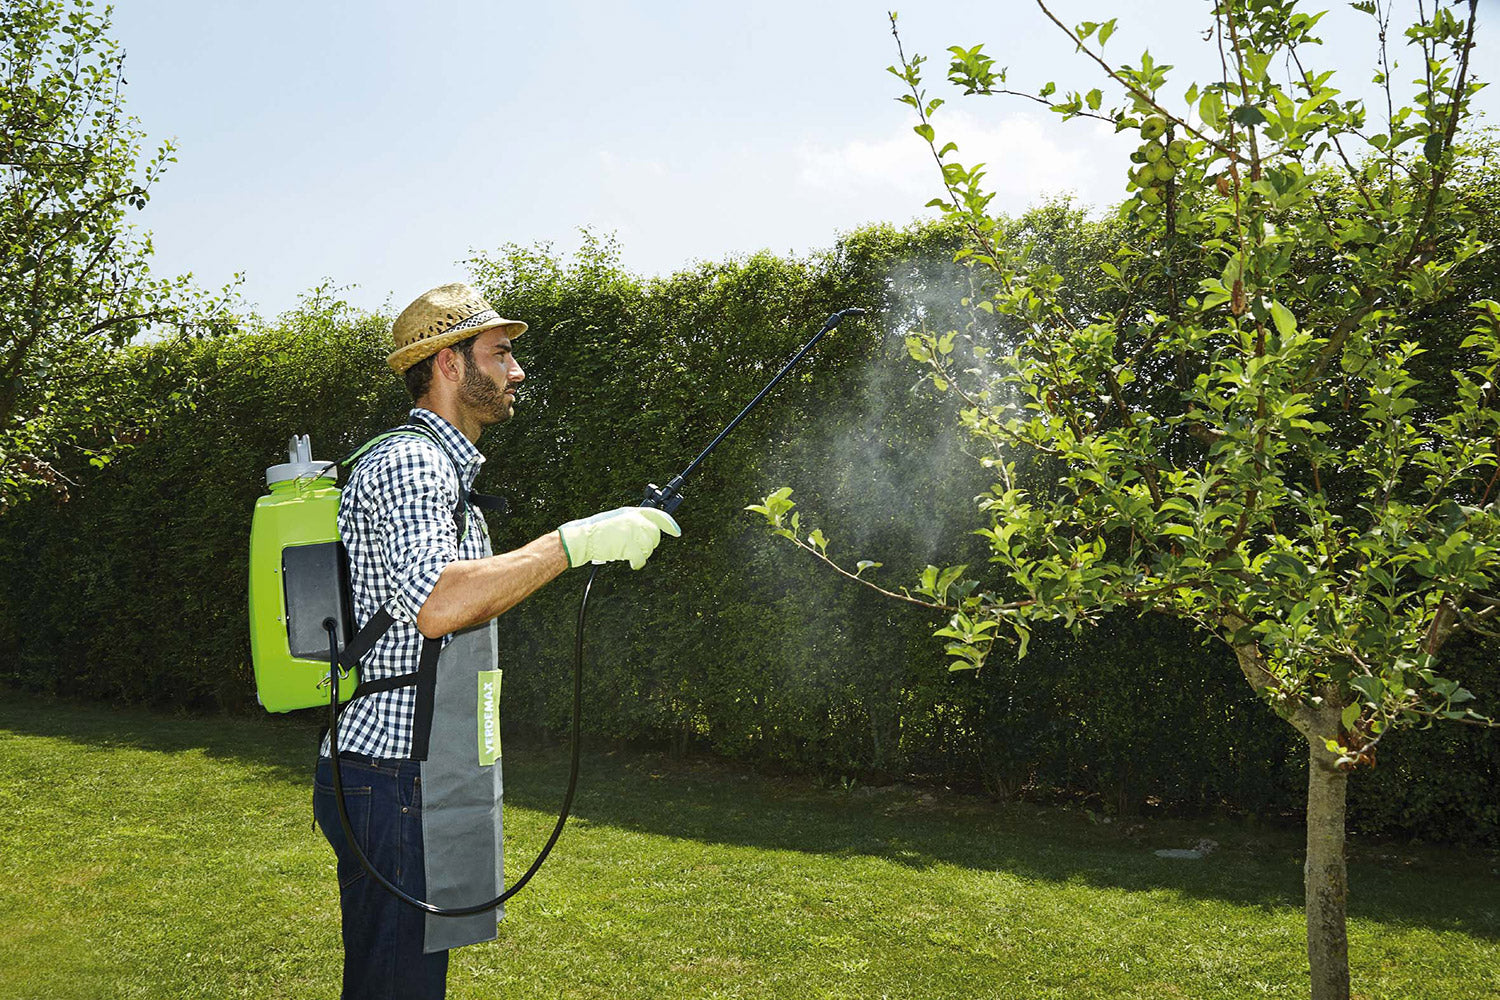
(150, 855)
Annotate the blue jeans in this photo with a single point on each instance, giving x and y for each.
(383, 957)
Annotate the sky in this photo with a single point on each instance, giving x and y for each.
(379, 144)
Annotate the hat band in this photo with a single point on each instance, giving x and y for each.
(478, 319)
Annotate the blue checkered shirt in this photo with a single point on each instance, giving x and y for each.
(396, 520)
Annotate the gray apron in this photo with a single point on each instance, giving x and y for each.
(456, 737)
(461, 818)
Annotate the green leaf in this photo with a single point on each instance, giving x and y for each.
(947, 578)
(1370, 687)
(1211, 109)
(1105, 30)
(1286, 323)
(1248, 114)
(1095, 98)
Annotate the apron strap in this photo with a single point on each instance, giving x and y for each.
(426, 680)
(486, 501)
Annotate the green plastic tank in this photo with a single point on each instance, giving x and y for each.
(298, 580)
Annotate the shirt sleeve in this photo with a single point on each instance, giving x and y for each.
(411, 490)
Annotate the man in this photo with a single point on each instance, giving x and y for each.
(419, 756)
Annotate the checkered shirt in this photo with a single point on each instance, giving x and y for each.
(396, 520)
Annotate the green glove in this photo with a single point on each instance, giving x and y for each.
(629, 533)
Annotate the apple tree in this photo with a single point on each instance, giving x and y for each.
(1260, 432)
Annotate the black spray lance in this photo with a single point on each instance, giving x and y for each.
(668, 497)
(665, 498)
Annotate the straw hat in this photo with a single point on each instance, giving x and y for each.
(441, 318)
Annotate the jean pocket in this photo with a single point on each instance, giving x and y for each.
(357, 805)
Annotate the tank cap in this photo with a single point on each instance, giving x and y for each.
(300, 464)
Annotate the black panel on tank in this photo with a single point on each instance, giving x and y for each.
(316, 578)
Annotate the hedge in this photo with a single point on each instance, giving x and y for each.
(133, 591)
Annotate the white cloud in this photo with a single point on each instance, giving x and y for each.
(1027, 157)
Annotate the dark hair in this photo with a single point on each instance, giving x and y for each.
(419, 375)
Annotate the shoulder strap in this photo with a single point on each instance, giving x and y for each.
(403, 430)
(484, 501)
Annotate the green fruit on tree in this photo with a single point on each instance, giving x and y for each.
(1163, 170)
(1153, 152)
(1153, 127)
(1151, 196)
(1177, 152)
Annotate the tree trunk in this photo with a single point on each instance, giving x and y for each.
(1326, 877)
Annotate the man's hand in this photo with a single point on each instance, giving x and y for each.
(628, 533)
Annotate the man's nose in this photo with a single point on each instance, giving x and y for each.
(517, 373)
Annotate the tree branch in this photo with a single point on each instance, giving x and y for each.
(1133, 89)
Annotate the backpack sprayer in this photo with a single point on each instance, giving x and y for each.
(301, 604)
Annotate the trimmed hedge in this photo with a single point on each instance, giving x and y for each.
(731, 641)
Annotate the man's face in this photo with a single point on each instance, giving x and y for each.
(487, 388)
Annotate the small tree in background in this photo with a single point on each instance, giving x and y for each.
(74, 276)
(1249, 436)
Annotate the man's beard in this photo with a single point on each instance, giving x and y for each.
(481, 396)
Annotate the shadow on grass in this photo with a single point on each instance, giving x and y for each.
(718, 803)
(282, 746)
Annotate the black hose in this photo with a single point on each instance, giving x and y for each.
(562, 817)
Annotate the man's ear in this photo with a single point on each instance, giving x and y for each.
(448, 364)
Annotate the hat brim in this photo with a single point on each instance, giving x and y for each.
(404, 357)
